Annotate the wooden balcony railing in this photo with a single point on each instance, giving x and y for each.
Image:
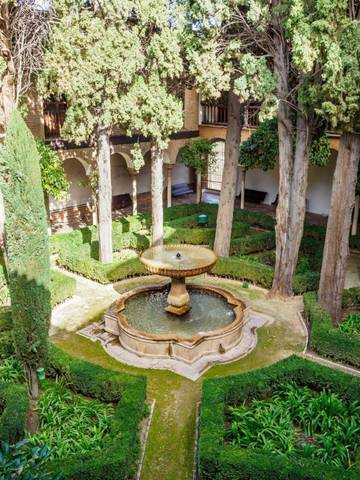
(54, 116)
(212, 114)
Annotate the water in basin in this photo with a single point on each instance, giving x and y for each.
(146, 312)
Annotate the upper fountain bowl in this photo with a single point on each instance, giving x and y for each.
(178, 261)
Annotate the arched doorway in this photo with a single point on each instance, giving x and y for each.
(120, 177)
(72, 211)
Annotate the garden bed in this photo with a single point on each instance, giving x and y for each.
(253, 239)
(260, 425)
(340, 343)
(89, 419)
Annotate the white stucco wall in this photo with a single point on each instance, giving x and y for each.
(318, 191)
(181, 174)
(79, 193)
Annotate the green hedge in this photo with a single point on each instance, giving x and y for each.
(253, 243)
(218, 461)
(119, 456)
(326, 339)
(81, 262)
(61, 287)
(14, 405)
(262, 275)
(351, 298)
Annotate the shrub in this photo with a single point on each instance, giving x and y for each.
(61, 287)
(27, 249)
(351, 325)
(355, 242)
(351, 297)
(253, 243)
(23, 462)
(244, 269)
(82, 425)
(80, 261)
(14, 405)
(220, 461)
(326, 339)
(118, 457)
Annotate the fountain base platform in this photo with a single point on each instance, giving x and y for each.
(188, 350)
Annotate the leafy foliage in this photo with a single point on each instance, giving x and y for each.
(351, 325)
(261, 149)
(219, 459)
(198, 154)
(297, 420)
(27, 251)
(23, 462)
(53, 178)
(320, 151)
(71, 424)
(326, 339)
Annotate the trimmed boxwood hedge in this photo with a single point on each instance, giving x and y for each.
(325, 338)
(218, 461)
(14, 405)
(120, 453)
(61, 287)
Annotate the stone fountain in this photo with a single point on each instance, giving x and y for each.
(178, 262)
(167, 322)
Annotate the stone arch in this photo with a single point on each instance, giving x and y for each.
(144, 178)
(120, 176)
(76, 171)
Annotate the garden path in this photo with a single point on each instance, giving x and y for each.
(90, 300)
(169, 453)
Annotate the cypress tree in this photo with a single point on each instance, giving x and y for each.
(27, 250)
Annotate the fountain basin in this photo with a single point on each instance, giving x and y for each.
(178, 262)
(193, 339)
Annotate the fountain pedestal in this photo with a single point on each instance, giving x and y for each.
(178, 262)
(178, 298)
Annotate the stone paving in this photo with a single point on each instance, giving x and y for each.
(88, 303)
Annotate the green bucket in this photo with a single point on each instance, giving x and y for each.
(41, 373)
(202, 219)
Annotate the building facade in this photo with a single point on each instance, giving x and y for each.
(129, 188)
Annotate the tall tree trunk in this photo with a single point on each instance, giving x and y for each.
(134, 194)
(32, 422)
(290, 222)
(355, 216)
(7, 82)
(157, 213)
(198, 186)
(229, 177)
(336, 249)
(104, 196)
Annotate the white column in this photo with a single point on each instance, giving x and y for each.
(168, 185)
(198, 187)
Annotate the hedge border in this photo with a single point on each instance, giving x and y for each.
(325, 338)
(15, 404)
(120, 455)
(121, 450)
(218, 461)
